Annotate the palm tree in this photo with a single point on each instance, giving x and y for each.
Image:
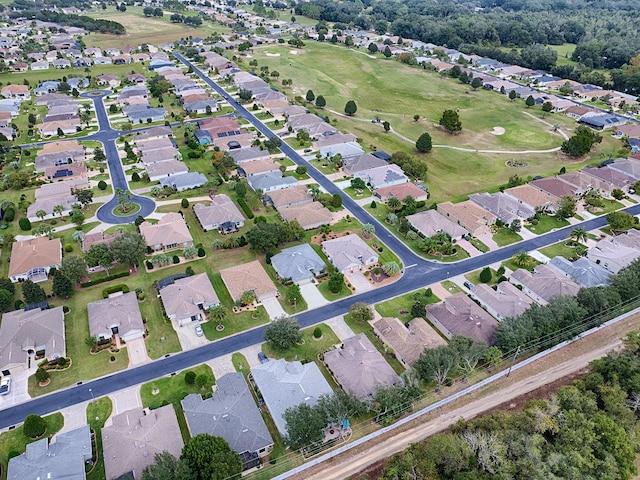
(394, 204)
(391, 268)
(368, 229)
(219, 312)
(77, 236)
(41, 214)
(578, 234)
(314, 191)
(58, 209)
(522, 259)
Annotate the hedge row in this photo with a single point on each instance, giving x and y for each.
(120, 287)
(245, 208)
(108, 278)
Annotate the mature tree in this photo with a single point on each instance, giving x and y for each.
(476, 83)
(547, 107)
(529, 102)
(77, 216)
(336, 282)
(74, 268)
(128, 248)
(98, 155)
(320, 101)
(99, 255)
(424, 143)
(310, 96)
(210, 458)
(245, 95)
(368, 229)
(361, 312)
(578, 234)
(581, 142)
(5, 301)
(6, 284)
(32, 292)
(293, 294)
(248, 297)
(283, 332)
(596, 300)
(516, 225)
(566, 207)
(350, 108)
(513, 95)
(386, 125)
(58, 209)
(41, 214)
(265, 237)
(391, 268)
(394, 204)
(34, 426)
(485, 275)
(62, 286)
(436, 365)
(620, 221)
(358, 183)
(450, 121)
(387, 51)
(219, 313)
(167, 467)
(305, 426)
(522, 259)
(372, 47)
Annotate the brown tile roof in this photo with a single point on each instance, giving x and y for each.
(181, 299)
(34, 253)
(308, 215)
(401, 191)
(57, 147)
(459, 315)
(359, 368)
(98, 238)
(248, 276)
(546, 282)
(121, 311)
(261, 165)
(468, 214)
(532, 196)
(288, 196)
(221, 210)
(431, 222)
(614, 177)
(169, 230)
(408, 343)
(554, 186)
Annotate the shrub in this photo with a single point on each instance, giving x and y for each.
(18, 304)
(317, 332)
(149, 265)
(201, 252)
(62, 362)
(190, 377)
(97, 281)
(245, 208)
(176, 259)
(25, 224)
(113, 358)
(121, 287)
(373, 204)
(189, 271)
(485, 275)
(34, 426)
(41, 376)
(68, 247)
(135, 177)
(184, 203)
(65, 309)
(102, 185)
(9, 214)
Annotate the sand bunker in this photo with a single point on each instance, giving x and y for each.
(272, 54)
(497, 131)
(293, 52)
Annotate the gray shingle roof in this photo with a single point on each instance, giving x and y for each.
(284, 385)
(230, 413)
(583, 271)
(298, 263)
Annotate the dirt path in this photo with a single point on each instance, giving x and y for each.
(553, 367)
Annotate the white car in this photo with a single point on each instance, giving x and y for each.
(5, 386)
(198, 329)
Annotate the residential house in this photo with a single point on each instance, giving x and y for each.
(612, 256)
(289, 197)
(183, 181)
(222, 215)
(603, 121)
(20, 92)
(533, 197)
(140, 113)
(555, 187)
(67, 127)
(29, 335)
(505, 301)
(171, 232)
(408, 340)
(345, 150)
(268, 182)
(166, 169)
(32, 259)
(61, 457)
(504, 207)
(230, 413)
(300, 264)
(359, 163)
(187, 299)
(459, 315)
(628, 131)
(308, 215)
(430, 222)
(577, 112)
(59, 153)
(335, 138)
(384, 176)
(401, 191)
(587, 183)
(468, 215)
(544, 283)
(248, 277)
(116, 316)
(628, 166)
(359, 368)
(248, 154)
(111, 81)
(97, 238)
(257, 167)
(630, 239)
(349, 252)
(135, 436)
(66, 172)
(583, 271)
(285, 385)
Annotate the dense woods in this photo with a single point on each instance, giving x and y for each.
(588, 430)
(604, 32)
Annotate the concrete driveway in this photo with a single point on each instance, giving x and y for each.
(221, 366)
(273, 308)
(340, 328)
(358, 280)
(126, 399)
(187, 336)
(75, 416)
(137, 350)
(312, 295)
(18, 392)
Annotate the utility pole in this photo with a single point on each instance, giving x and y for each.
(513, 360)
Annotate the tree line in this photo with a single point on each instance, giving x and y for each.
(80, 21)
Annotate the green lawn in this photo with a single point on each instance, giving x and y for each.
(504, 237)
(240, 363)
(14, 443)
(451, 287)
(357, 195)
(546, 223)
(97, 413)
(561, 249)
(474, 277)
(323, 286)
(310, 348)
(609, 206)
(479, 244)
(173, 389)
(400, 307)
(511, 265)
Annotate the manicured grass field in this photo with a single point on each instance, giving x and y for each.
(97, 413)
(14, 442)
(561, 249)
(474, 277)
(546, 223)
(504, 237)
(403, 303)
(310, 348)
(173, 389)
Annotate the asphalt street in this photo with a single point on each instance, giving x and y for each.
(417, 273)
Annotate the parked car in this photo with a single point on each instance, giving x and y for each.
(468, 284)
(263, 358)
(5, 386)
(198, 329)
